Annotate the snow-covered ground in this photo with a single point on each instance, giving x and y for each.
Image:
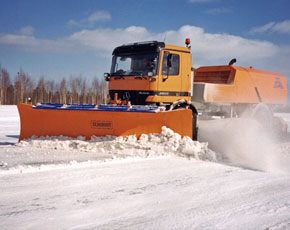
(239, 180)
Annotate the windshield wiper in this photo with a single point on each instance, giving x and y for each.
(119, 74)
(137, 74)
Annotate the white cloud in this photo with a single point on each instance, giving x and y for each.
(212, 46)
(27, 30)
(99, 16)
(215, 11)
(282, 27)
(207, 48)
(107, 39)
(279, 27)
(72, 22)
(264, 28)
(90, 21)
(31, 44)
(212, 49)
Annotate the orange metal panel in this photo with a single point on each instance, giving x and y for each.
(73, 123)
(170, 82)
(130, 83)
(179, 48)
(220, 93)
(245, 85)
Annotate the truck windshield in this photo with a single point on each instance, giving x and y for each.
(134, 64)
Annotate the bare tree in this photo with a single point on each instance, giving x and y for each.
(23, 87)
(83, 88)
(49, 87)
(77, 88)
(27, 87)
(63, 91)
(4, 85)
(39, 93)
(104, 92)
(94, 90)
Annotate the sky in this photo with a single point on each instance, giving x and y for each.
(61, 38)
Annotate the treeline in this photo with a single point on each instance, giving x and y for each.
(72, 90)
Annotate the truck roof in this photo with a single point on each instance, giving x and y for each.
(149, 46)
(178, 48)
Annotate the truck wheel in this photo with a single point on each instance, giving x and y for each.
(182, 104)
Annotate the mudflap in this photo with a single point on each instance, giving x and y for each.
(194, 126)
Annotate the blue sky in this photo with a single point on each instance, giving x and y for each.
(59, 38)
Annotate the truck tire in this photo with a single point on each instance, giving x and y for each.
(182, 104)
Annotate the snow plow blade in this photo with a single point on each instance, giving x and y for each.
(90, 120)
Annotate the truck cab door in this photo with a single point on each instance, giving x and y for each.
(170, 72)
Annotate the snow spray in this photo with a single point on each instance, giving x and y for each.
(246, 142)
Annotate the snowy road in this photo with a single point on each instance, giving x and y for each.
(166, 193)
(48, 188)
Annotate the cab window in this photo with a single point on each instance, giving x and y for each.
(173, 61)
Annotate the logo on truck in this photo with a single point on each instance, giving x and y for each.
(101, 124)
(278, 83)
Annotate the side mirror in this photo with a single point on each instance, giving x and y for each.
(107, 76)
(169, 65)
(169, 62)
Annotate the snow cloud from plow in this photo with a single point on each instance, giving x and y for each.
(244, 142)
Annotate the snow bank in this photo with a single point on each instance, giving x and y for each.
(165, 143)
(37, 153)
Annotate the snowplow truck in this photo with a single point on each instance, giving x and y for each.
(150, 86)
(160, 74)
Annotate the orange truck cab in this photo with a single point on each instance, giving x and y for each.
(150, 73)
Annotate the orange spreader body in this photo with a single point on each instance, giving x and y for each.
(73, 123)
(236, 84)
